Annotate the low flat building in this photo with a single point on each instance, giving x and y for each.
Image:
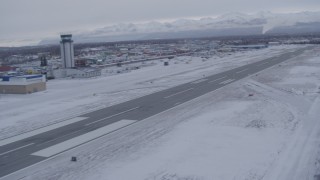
(77, 73)
(22, 84)
(251, 46)
(4, 70)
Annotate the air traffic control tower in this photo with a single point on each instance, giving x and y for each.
(66, 48)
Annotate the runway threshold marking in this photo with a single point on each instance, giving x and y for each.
(227, 81)
(16, 149)
(79, 140)
(41, 130)
(242, 70)
(112, 115)
(217, 79)
(178, 93)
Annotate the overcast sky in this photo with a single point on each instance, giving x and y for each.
(30, 18)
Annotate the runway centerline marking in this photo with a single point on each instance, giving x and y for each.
(217, 79)
(82, 139)
(242, 70)
(198, 81)
(178, 93)
(16, 149)
(262, 64)
(59, 137)
(112, 115)
(227, 81)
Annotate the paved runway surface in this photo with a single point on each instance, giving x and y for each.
(29, 148)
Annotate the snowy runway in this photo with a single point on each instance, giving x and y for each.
(246, 129)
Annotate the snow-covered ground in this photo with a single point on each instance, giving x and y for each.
(226, 134)
(70, 97)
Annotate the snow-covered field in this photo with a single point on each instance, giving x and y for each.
(67, 98)
(226, 134)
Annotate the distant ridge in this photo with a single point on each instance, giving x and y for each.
(229, 24)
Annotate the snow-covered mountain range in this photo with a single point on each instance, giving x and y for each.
(224, 25)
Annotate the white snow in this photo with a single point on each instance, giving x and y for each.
(206, 148)
(64, 99)
(267, 20)
(226, 134)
